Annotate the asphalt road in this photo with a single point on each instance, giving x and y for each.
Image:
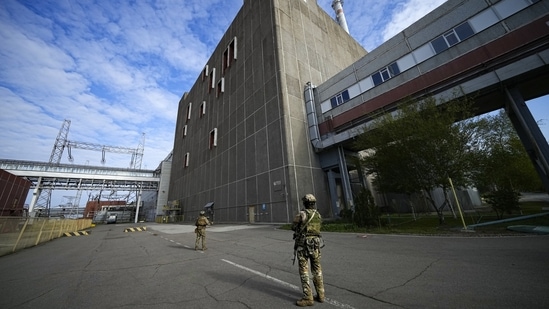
(250, 266)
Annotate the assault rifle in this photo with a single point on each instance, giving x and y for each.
(296, 236)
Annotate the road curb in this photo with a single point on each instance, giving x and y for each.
(135, 229)
(79, 233)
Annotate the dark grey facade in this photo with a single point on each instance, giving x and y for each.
(241, 137)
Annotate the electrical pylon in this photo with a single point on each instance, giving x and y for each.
(44, 199)
(61, 142)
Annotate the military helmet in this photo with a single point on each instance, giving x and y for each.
(202, 212)
(309, 199)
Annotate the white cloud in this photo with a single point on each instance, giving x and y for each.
(110, 67)
(406, 13)
(117, 69)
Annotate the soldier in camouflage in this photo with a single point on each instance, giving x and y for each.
(200, 230)
(306, 227)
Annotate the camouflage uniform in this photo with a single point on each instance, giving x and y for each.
(201, 223)
(308, 242)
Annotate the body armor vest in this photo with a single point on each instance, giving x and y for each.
(201, 221)
(313, 227)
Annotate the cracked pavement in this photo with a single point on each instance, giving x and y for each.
(249, 266)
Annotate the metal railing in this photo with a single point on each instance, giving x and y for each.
(17, 233)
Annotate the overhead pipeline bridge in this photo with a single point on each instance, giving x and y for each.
(48, 176)
(496, 53)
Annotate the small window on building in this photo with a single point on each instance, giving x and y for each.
(439, 44)
(386, 73)
(229, 55)
(345, 96)
(340, 98)
(376, 78)
(452, 37)
(232, 51)
(393, 69)
(211, 84)
(464, 31)
(213, 138)
(225, 61)
(203, 109)
(184, 130)
(220, 86)
(205, 73)
(189, 109)
(186, 160)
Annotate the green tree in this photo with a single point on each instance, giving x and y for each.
(503, 200)
(417, 149)
(366, 212)
(499, 158)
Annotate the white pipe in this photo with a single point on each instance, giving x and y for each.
(337, 5)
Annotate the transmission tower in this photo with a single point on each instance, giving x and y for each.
(71, 206)
(137, 158)
(61, 142)
(44, 199)
(135, 163)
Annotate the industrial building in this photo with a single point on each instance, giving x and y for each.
(495, 51)
(241, 142)
(249, 141)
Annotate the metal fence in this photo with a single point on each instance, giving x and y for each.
(18, 233)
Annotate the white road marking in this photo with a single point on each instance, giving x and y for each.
(286, 284)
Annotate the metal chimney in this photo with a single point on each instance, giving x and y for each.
(337, 5)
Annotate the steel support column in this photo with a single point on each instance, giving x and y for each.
(529, 133)
(333, 192)
(138, 203)
(35, 194)
(345, 182)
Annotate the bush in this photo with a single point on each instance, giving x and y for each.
(504, 200)
(346, 215)
(366, 212)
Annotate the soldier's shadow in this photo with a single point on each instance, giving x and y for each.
(259, 284)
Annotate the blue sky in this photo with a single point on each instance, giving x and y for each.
(117, 69)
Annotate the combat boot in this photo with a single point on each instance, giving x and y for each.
(304, 302)
(320, 297)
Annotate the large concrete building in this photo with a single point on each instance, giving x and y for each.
(241, 143)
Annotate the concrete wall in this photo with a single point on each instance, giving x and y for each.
(263, 161)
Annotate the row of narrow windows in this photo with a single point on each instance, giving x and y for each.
(212, 142)
(209, 76)
(481, 21)
(229, 56)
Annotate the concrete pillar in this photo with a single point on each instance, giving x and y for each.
(529, 133)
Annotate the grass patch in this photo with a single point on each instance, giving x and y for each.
(428, 224)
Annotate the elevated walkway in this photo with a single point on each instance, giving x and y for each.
(81, 177)
(48, 176)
